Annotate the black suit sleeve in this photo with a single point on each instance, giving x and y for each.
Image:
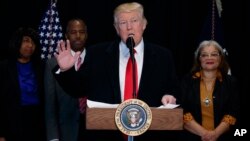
(71, 81)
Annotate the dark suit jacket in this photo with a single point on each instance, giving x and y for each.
(100, 75)
(61, 110)
(10, 103)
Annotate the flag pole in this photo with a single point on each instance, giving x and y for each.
(55, 1)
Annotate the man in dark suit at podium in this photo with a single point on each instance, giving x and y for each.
(102, 76)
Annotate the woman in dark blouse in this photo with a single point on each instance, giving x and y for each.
(21, 89)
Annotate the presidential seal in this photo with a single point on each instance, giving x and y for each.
(133, 117)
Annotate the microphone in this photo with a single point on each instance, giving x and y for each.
(130, 44)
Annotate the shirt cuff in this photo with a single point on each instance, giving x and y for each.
(58, 71)
(187, 117)
(229, 119)
(54, 140)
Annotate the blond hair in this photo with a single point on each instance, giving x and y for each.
(128, 7)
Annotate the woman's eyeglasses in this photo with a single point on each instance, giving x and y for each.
(211, 55)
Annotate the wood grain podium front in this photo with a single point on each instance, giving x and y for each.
(162, 119)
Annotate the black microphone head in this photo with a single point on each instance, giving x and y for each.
(130, 42)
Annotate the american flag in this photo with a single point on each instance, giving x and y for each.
(50, 31)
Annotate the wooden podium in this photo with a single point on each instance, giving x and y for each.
(162, 119)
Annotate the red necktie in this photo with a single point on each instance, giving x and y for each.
(78, 64)
(128, 91)
(82, 100)
(82, 104)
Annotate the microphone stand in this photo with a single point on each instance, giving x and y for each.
(134, 73)
(131, 44)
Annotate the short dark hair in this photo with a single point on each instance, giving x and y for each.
(16, 41)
